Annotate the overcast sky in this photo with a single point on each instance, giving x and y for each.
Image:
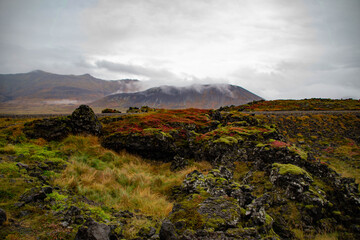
(274, 48)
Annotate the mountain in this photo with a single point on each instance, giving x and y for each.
(195, 96)
(55, 88)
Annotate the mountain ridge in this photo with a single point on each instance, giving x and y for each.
(40, 91)
(193, 96)
(39, 84)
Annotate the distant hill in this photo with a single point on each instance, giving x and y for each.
(54, 88)
(195, 96)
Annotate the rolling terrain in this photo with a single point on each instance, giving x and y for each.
(40, 85)
(43, 92)
(182, 174)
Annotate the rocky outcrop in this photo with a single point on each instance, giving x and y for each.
(216, 207)
(167, 231)
(92, 230)
(293, 179)
(82, 120)
(3, 216)
(49, 129)
(157, 146)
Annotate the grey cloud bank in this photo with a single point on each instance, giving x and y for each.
(274, 48)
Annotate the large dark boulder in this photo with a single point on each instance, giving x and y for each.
(220, 213)
(157, 146)
(295, 180)
(167, 231)
(92, 230)
(2, 216)
(178, 163)
(49, 129)
(33, 195)
(84, 120)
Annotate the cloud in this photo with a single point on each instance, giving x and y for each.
(275, 48)
(136, 70)
(298, 80)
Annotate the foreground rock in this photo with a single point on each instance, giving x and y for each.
(3, 217)
(92, 230)
(82, 120)
(213, 206)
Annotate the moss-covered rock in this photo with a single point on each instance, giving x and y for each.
(49, 129)
(82, 120)
(220, 213)
(290, 169)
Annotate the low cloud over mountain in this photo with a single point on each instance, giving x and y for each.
(195, 96)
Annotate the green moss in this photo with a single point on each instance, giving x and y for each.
(214, 223)
(8, 149)
(189, 214)
(309, 206)
(227, 139)
(11, 170)
(57, 196)
(261, 145)
(99, 214)
(290, 169)
(338, 213)
(60, 201)
(243, 211)
(303, 154)
(167, 135)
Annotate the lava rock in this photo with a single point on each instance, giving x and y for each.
(92, 230)
(192, 182)
(124, 214)
(157, 146)
(216, 115)
(84, 120)
(167, 231)
(222, 172)
(219, 213)
(33, 195)
(49, 129)
(146, 232)
(294, 179)
(178, 163)
(22, 165)
(256, 210)
(3, 217)
(47, 189)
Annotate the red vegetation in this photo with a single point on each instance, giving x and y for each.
(162, 120)
(279, 144)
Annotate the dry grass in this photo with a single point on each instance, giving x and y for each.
(122, 181)
(326, 236)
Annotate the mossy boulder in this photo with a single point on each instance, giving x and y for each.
(82, 120)
(109, 110)
(92, 230)
(158, 146)
(290, 169)
(3, 216)
(49, 129)
(294, 179)
(220, 213)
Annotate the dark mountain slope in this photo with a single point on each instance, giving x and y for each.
(42, 85)
(195, 96)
